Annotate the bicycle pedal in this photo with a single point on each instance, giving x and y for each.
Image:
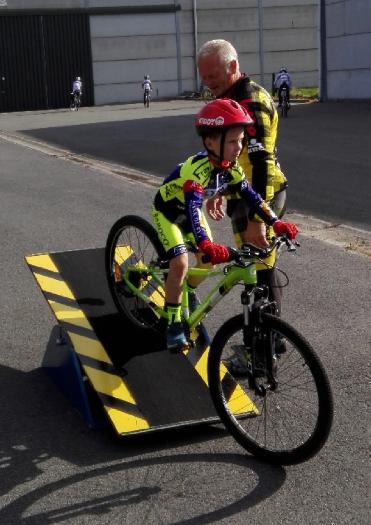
(179, 349)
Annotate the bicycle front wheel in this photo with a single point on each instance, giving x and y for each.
(284, 425)
(284, 107)
(133, 242)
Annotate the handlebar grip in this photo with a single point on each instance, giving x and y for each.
(232, 255)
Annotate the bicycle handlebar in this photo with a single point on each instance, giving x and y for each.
(249, 251)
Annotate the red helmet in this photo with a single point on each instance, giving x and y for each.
(222, 113)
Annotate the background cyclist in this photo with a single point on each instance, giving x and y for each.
(76, 88)
(147, 87)
(177, 211)
(283, 80)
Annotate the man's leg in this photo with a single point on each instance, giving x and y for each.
(238, 211)
(271, 279)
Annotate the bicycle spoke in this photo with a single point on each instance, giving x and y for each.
(132, 247)
(289, 424)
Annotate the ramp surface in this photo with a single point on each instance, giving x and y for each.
(141, 386)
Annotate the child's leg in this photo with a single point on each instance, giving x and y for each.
(175, 336)
(193, 281)
(172, 239)
(177, 271)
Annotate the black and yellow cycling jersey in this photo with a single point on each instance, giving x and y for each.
(179, 200)
(258, 158)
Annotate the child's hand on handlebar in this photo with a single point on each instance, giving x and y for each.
(217, 252)
(287, 228)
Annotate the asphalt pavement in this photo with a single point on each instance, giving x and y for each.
(64, 179)
(323, 148)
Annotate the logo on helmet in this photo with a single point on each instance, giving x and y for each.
(218, 121)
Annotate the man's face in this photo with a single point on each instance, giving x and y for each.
(217, 76)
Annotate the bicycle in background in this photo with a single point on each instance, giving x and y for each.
(285, 103)
(146, 98)
(75, 102)
(281, 410)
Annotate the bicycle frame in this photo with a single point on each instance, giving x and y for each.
(232, 274)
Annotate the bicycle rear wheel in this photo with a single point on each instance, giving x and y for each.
(284, 106)
(132, 241)
(285, 425)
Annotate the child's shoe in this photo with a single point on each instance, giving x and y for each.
(175, 337)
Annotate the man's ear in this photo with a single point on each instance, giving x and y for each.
(233, 66)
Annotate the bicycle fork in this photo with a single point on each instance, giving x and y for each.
(258, 341)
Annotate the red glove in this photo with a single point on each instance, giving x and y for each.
(217, 252)
(289, 229)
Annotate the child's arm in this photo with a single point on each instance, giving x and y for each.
(194, 195)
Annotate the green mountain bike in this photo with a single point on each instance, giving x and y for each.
(281, 408)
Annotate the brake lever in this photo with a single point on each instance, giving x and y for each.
(254, 251)
(291, 245)
(234, 255)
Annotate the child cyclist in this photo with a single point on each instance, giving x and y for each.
(177, 210)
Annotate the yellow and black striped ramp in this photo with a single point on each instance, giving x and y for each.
(141, 386)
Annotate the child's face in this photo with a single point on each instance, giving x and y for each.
(234, 142)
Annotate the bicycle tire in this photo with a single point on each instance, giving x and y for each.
(133, 241)
(284, 107)
(289, 428)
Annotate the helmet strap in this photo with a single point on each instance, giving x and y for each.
(218, 160)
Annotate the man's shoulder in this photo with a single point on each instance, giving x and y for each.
(247, 88)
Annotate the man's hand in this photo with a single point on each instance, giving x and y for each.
(214, 207)
(256, 234)
(287, 228)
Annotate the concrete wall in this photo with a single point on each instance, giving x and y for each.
(126, 47)
(348, 49)
(268, 34)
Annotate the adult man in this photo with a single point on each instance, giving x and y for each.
(282, 80)
(219, 70)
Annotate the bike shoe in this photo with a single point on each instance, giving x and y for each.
(239, 364)
(280, 346)
(176, 340)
